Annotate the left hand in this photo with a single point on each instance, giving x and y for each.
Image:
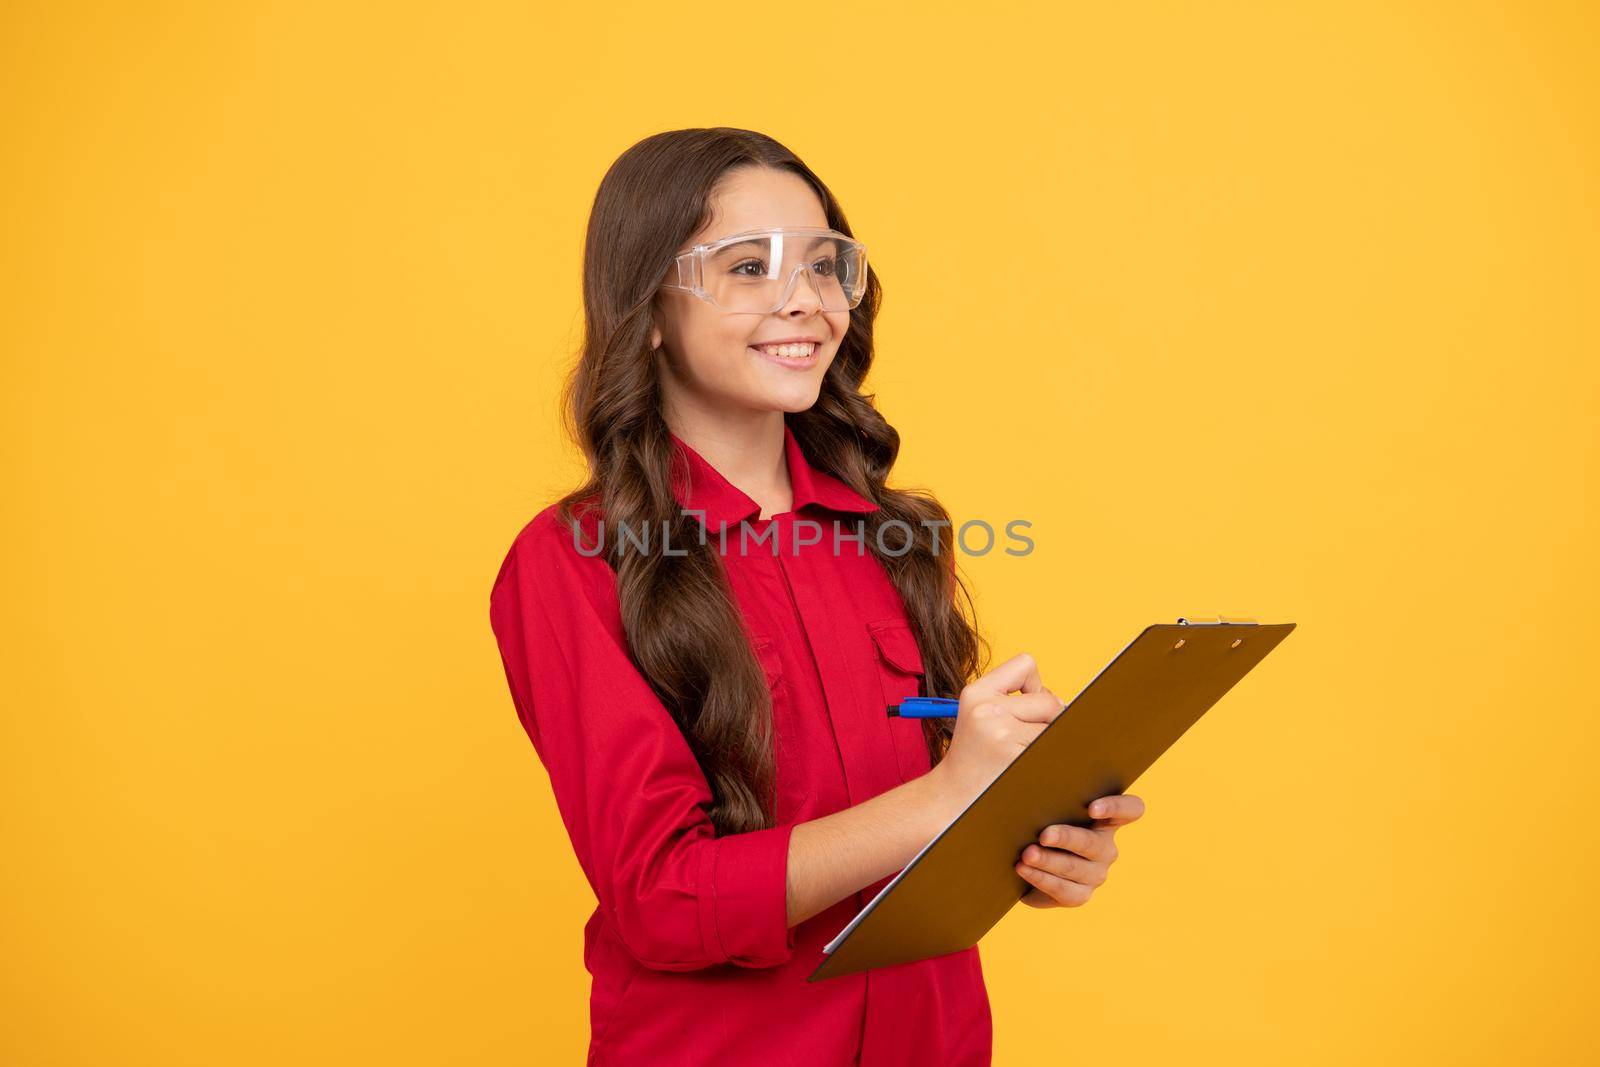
(1070, 862)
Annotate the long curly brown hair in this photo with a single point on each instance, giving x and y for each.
(682, 623)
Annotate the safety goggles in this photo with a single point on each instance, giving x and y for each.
(756, 271)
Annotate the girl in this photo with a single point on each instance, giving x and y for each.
(701, 640)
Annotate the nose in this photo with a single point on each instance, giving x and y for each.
(806, 298)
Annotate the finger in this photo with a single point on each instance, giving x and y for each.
(1091, 844)
(1038, 898)
(1067, 894)
(1117, 810)
(1040, 707)
(1072, 867)
(1018, 672)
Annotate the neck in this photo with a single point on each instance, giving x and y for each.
(746, 449)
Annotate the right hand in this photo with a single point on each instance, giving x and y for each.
(993, 725)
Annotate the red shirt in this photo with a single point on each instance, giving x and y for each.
(691, 958)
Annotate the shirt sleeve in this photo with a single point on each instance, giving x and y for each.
(629, 790)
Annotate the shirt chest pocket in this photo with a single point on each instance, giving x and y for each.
(901, 674)
(771, 665)
(771, 661)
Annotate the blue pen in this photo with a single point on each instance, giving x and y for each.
(925, 708)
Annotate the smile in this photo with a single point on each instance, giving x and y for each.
(798, 356)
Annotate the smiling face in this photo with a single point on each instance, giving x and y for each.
(708, 359)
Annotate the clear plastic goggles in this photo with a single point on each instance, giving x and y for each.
(756, 271)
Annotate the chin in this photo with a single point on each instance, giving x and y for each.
(794, 400)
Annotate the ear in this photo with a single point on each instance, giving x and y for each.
(655, 328)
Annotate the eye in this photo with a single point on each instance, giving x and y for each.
(824, 266)
(761, 268)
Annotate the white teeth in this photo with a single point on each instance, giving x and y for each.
(789, 351)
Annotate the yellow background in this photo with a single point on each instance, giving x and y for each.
(1268, 310)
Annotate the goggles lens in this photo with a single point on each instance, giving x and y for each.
(755, 272)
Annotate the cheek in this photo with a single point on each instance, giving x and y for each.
(712, 345)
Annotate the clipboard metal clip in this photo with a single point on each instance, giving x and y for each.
(1215, 620)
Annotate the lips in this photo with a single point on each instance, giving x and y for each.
(799, 357)
(797, 339)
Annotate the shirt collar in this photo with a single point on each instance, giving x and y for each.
(698, 486)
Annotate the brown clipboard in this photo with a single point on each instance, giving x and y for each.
(963, 881)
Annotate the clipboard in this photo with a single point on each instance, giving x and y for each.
(963, 882)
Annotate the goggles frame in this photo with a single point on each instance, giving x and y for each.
(690, 267)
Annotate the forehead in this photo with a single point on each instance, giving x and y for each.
(756, 198)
